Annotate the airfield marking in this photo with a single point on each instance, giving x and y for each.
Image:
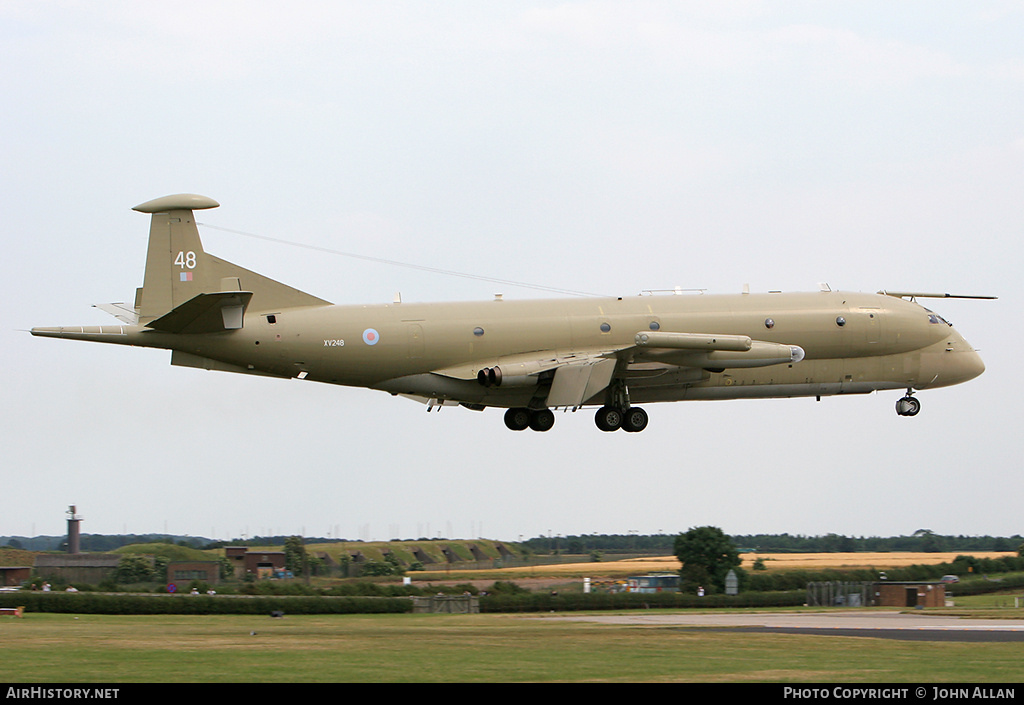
(892, 625)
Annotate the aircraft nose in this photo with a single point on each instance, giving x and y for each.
(942, 369)
(970, 365)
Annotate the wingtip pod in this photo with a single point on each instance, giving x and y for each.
(177, 202)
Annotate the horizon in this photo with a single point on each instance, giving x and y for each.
(325, 539)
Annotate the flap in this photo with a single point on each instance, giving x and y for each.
(531, 363)
(576, 382)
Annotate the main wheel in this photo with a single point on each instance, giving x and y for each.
(517, 419)
(608, 418)
(542, 419)
(634, 420)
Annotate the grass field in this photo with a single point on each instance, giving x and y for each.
(464, 648)
(772, 562)
(59, 648)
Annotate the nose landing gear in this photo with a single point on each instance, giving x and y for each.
(908, 405)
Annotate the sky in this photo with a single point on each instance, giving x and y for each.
(603, 147)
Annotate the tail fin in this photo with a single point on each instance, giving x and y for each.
(178, 270)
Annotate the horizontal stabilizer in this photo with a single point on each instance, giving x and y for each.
(121, 312)
(206, 313)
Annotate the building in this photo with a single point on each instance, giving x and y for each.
(182, 573)
(264, 564)
(883, 593)
(88, 568)
(259, 564)
(910, 594)
(14, 575)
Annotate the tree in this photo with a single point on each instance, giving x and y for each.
(134, 568)
(294, 554)
(930, 541)
(707, 555)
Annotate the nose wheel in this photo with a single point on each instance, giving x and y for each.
(908, 406)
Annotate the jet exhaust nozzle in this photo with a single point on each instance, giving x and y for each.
(493, 377)
(489, 377)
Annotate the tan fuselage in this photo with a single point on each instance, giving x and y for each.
(853, 343)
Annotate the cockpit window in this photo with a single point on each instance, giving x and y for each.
(934, 318)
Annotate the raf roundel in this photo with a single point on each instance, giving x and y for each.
(370, 336)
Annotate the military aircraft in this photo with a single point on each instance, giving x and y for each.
(531, 357)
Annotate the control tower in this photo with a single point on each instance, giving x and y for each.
(74, 532)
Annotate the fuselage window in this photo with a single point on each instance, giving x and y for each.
(605, 327)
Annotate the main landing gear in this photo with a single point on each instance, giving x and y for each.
(617, 413)
(519, 419)
(608, 418)
(611, 418)
(908, 405)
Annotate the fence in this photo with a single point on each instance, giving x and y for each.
(840, 594)
(448, 604)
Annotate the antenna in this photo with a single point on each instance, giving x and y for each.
(921, 295)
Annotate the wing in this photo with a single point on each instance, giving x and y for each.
(570, 378)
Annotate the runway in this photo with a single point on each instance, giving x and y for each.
(878, 625)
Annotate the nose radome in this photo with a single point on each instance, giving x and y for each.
(943, 369)
(970, 364)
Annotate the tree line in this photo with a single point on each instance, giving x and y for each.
(922, 540)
